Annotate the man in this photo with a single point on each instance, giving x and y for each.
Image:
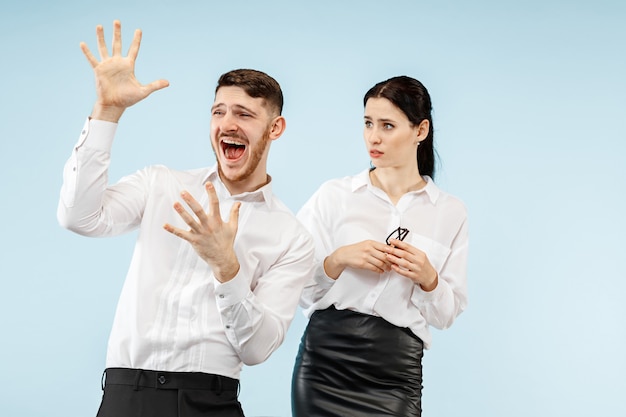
(210, 295)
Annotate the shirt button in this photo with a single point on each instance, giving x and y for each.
(221, 295)
(83, 132)
(228, 326)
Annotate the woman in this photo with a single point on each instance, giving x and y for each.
(392, 255)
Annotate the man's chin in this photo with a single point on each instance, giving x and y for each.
(233, 174)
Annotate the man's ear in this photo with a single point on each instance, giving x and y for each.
(278, 126)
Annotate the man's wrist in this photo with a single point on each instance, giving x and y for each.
(227, 272)
(107, 113)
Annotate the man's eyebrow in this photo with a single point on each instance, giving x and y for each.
(244, 108)
(237, 107)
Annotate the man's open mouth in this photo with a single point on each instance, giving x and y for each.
(232, 148)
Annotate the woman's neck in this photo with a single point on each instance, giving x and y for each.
(396, 182)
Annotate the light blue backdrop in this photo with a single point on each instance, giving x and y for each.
(530, 124)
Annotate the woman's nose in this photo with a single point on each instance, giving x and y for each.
(371, 136)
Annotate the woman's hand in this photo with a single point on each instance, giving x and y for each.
(368, 255)
(412, 263)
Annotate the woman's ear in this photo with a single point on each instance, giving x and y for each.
(422, 130)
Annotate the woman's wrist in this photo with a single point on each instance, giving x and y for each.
(331, 267)
(432, 285)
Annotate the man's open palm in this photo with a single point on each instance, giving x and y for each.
(116, 85)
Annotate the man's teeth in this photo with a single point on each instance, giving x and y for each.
(232, 142)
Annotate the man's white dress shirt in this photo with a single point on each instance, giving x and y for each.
(172, 314)
(349, 210)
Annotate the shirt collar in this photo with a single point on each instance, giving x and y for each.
(262, 194)
(362, 179)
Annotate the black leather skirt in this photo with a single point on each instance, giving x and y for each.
(351, 364)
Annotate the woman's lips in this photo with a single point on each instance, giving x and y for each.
(375, 153)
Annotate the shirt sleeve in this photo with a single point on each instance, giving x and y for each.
(441, 306)
(87, 205)
(320, 283)
(256, 320)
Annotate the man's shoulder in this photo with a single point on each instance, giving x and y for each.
(163, 171)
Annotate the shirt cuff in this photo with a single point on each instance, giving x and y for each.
(97, 135)
(231, 292)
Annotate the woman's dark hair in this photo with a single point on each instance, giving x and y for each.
(256, 84)
(412, 98)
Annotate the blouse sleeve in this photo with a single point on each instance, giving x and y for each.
(311, 215)
(441, 306)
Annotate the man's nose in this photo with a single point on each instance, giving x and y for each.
(228, 123)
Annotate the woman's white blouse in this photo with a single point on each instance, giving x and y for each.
(348, 210)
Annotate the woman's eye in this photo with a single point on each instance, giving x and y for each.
(388, 126)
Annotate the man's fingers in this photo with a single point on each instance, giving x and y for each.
(116, 48)
(234, 215)
(102, 45)
(176, 231)
(93, 61)
(156, 85)
(194, 206)
(133, 51)
(214, 202)
(187, 218)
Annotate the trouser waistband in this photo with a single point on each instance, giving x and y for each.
(168, 380)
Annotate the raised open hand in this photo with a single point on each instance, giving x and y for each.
(211, 237)
(116, 85)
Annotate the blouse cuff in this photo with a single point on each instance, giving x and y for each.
(321, 278)
(420, 296)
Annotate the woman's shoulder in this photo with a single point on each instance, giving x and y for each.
(345, 183)
(331, 193)
(451, 203)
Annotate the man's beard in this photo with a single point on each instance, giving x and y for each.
(256, 154)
